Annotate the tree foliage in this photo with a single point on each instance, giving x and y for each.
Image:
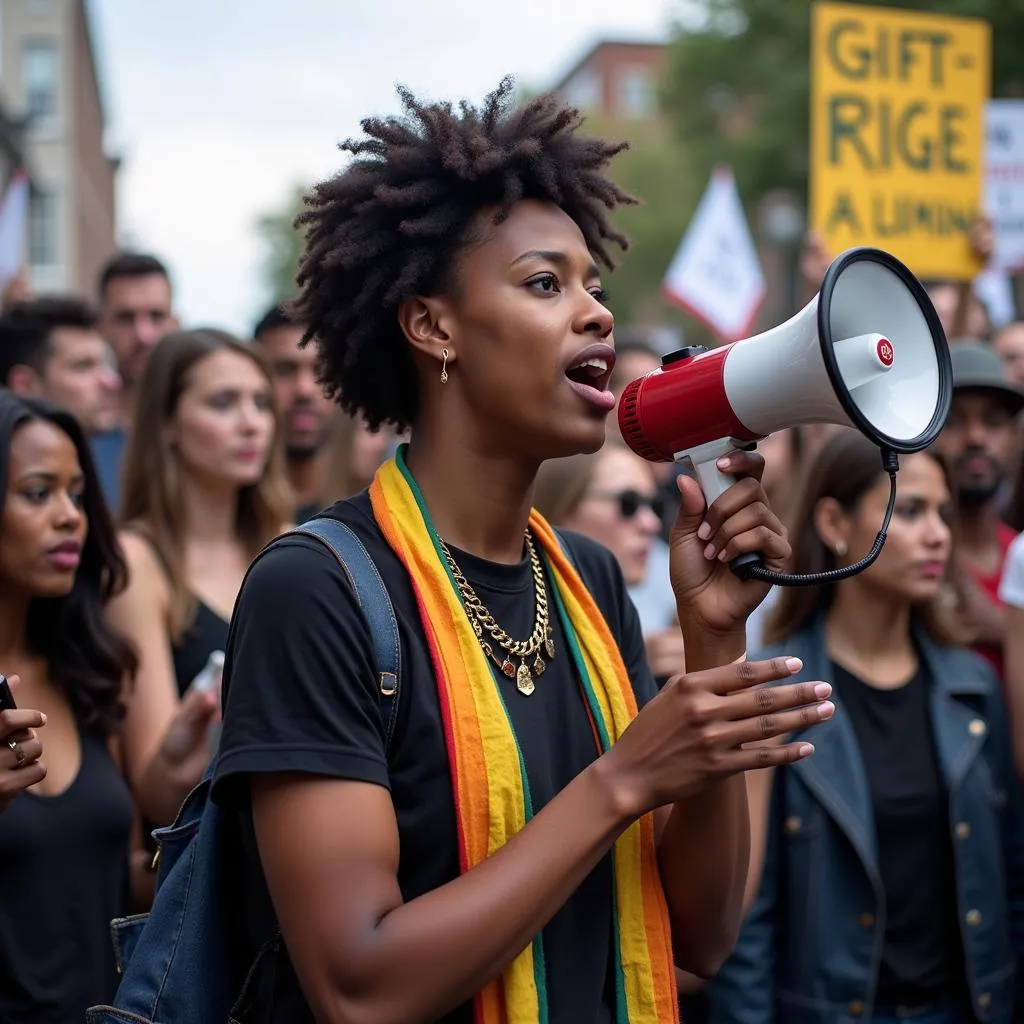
(737, 83)
(657, 171)
(283, 246)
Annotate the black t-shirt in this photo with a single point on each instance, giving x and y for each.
(300, 695)
(306, 512)
(921, 956)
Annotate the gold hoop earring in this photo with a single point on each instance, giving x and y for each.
(444, 366)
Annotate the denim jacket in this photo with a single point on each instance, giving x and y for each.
(810, 948)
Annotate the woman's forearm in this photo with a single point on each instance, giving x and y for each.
(159, 791)
(703, 856)
(704, 848)
(447, 944)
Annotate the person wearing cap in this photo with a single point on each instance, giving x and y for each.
(980, 443)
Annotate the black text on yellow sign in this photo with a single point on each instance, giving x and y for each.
(897, 132)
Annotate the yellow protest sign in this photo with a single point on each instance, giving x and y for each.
(897, 132)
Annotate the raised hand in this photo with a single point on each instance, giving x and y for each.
(709, 595)
(185, 753)
(694, 732)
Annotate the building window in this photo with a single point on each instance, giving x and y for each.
(39, 74)
(583, 90)
(42, 230)
(636, 93)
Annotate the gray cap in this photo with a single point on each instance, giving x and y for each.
(978, 368)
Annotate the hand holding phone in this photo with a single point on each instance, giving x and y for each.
(20, 748)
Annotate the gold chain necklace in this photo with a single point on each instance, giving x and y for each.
(485, 627)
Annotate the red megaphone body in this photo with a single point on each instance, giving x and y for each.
(867, 352)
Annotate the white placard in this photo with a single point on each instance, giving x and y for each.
(13, 218)
(1004, 181)
(995, 289)
(715, 274)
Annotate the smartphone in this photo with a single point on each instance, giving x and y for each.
(6, 697)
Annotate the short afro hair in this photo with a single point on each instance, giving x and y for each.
(391, 225)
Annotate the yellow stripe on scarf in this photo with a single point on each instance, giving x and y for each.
(488, 778)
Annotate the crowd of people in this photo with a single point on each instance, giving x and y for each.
(638, 862)
(144, 466)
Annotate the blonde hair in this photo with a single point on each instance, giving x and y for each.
(152, 499)
(562, 483)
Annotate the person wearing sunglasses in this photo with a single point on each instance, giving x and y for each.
(612, 496)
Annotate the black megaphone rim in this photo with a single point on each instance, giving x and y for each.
(866, 254)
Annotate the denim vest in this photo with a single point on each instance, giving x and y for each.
(810, 948)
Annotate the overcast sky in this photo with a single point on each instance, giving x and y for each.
(218, 106)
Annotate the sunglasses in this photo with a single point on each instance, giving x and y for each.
(630, 502)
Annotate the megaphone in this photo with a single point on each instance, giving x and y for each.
(868, 351)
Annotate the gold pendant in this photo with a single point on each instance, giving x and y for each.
(524, 681)
(549, 647)
(539, 666)
(508, 668)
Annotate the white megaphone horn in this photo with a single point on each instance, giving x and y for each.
(867, 352)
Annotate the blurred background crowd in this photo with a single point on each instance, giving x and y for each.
(169, 439)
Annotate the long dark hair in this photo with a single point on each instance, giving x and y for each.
(85, 657)
(845, 469)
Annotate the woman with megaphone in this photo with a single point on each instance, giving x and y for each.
(536, 835)
(891, 885)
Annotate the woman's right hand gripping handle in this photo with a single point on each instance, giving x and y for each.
(708, 725)
(20, 750)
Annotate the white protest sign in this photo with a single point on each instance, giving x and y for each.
(13, 218)
(1004, 181)
(715, 274)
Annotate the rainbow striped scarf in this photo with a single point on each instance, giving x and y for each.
(492, 794)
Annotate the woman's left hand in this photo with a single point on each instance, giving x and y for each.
(710, 597)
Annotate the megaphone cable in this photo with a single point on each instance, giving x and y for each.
(751, 567)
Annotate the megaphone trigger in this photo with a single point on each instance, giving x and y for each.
(714, 482)
(867, 352)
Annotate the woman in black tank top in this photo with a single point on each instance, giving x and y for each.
(64, 842)
(204, 490)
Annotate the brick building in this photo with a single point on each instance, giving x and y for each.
(49, 78)
(618, 80)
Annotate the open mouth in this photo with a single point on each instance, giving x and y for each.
(595, 373)
(593, 367)
(590, 375)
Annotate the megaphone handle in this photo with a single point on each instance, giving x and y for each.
(714, 483)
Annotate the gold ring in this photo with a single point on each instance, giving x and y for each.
(18, 752)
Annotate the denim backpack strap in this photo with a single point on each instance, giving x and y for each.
(175, 962)
(373, 599)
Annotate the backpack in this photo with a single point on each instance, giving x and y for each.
(175, 963)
